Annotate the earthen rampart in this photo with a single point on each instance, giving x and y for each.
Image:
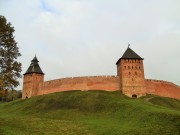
(108, 83)
(162, 88)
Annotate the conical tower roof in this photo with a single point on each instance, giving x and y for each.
(34, 67)
(129, 54)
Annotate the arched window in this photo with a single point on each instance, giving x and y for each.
(132, 67)
(124, 67)
(129, 73)
(129, 67)
(139, 67)
(132, 79)
(135, 73)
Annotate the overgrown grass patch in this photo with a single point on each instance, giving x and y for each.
(90, 112)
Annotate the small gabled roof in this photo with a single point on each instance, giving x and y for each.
(34, 67)
(129, 54)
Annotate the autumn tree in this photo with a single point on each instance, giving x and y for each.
(10, 68)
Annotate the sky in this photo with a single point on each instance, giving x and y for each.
(74, 38)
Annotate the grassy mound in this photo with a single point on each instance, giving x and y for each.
(90, 113)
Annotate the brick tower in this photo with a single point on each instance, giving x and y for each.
(32, 78)
(131, 72)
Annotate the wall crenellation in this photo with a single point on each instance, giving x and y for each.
(81, 77)
(162, 81)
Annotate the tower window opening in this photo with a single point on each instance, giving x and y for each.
(124, 67)
(129, 73)
(132, 67)
(128, 67)
(132, 79)
(139, 67)
(135, 73)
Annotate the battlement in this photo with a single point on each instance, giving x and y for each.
(162, 81)
(81, 77)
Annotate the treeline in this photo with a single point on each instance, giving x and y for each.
(10, 95)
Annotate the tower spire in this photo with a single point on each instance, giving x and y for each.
(34, 67)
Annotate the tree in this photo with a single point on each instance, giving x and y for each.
(10, 95)
(10, 68)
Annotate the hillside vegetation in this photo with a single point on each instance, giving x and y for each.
(90, 113)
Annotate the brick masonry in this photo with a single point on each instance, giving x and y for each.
(162, 88)
(131, 74)
(108, 83)
(130, 80)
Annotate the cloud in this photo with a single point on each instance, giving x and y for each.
(82, 38)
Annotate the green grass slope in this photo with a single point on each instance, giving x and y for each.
(90, 113)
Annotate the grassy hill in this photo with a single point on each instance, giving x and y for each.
(90, 113)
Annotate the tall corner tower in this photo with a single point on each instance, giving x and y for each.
(130, 69)
(32, 78)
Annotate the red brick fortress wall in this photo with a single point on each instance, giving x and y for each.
(162, 88)
(108, 83)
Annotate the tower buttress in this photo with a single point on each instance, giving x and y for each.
(130, 69)
(32, 78)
